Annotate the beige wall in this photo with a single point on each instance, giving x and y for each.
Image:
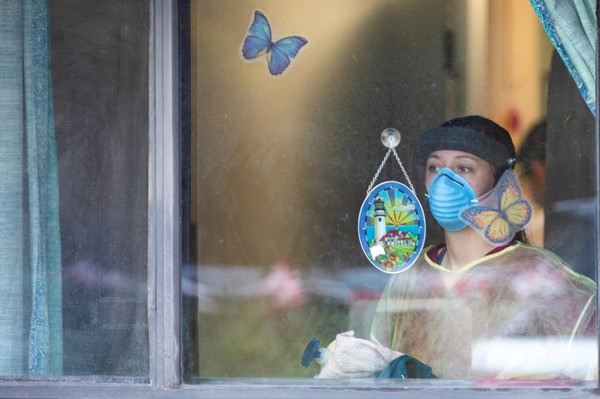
(508, 47)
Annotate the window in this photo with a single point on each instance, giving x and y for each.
(206, 210)
(77, 202)
(102, 151)
(281, 161)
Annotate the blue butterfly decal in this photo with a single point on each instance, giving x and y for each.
(259, 42)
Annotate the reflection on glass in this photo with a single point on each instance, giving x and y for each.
(280, 164)
(74, 189)
(99, 66)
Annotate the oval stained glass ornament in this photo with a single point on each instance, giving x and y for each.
(391, 227)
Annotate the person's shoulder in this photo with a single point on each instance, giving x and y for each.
(550, 264)
(538, 252)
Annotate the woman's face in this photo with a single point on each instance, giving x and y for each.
(476, 171)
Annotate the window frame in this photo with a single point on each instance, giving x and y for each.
(165, 230)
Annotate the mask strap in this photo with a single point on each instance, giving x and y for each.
(476, 200)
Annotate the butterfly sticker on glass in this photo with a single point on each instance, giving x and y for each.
(499, 217)
(259, 43)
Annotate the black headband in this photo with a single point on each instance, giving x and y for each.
(463, 139)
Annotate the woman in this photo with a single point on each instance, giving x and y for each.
(484, 304)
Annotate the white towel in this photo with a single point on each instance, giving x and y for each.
(355, 358)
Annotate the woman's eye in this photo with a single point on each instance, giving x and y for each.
(433, 168)
(464, 169)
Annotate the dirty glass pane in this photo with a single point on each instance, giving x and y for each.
(74, 189)
(281, 156)
(100, 54)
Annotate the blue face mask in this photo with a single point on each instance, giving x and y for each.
(449, 193)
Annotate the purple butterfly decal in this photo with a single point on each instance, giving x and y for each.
(278, 53)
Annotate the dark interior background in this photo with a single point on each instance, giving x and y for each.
(100, 53)
(571, 179)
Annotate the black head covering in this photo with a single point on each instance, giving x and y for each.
(473, 134)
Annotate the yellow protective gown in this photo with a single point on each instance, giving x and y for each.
(518, 313)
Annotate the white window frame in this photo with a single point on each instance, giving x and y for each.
(164, 302)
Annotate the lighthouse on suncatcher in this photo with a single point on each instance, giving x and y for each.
(379, 215)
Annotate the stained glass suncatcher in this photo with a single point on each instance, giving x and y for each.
(391, 227)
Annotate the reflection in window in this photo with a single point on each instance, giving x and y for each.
(73, 188)
(280, 164)
(99, 66)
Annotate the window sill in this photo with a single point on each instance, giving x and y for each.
(293, 388)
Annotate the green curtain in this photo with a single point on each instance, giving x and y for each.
(571, 26)
(30, 256)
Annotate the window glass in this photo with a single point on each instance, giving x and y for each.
(282, 150)
(100, 76)
(74, 103)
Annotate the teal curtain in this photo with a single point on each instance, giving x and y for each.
(571, 26)
(30, 256)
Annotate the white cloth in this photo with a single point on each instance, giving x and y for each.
(355, 358)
